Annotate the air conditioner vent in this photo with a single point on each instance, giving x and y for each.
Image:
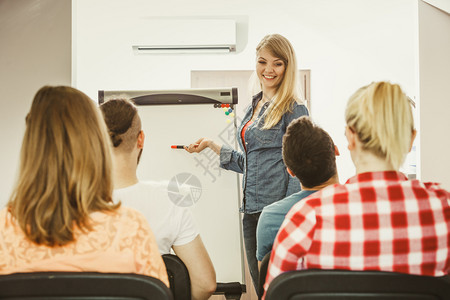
(188, 36)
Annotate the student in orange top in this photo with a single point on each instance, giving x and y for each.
(60, 216)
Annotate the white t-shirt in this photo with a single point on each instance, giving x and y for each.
(171, 224)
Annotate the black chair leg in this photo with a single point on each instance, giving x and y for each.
(231, 290)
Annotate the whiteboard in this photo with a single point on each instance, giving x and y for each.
(214, 193)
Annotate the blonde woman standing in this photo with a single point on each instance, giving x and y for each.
(265, 179)
(60, 216)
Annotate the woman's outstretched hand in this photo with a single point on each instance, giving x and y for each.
(198, 146)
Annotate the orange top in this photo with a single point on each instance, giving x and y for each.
(244, 129)
(120, 242)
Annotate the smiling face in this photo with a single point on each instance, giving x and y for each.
(270, 71)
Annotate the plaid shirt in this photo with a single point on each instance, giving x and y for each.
(376, 221)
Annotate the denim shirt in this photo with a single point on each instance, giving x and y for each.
(265, 178)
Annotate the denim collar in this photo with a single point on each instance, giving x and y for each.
(256, 99)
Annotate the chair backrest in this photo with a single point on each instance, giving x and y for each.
(82, 286)
(357, 285)
(179, 280)
(262, 274)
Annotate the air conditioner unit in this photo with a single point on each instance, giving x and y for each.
(187, 36)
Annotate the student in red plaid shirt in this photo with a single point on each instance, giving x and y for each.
(378, 220)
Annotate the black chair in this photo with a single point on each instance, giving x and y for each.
(262, 274)
(179, 280)
(357, 285)
(82, 286)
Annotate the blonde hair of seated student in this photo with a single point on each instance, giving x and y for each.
(380, 115)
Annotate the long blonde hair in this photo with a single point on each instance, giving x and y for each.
(288, 91)
(65, 167)
(381, 116)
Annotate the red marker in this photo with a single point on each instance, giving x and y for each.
(177, 147)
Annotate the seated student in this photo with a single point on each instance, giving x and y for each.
(60, 216)
(172, 225)
(310, 155)
(379, 220)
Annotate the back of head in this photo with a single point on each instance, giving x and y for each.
(123, 122)
(309, 152)
(381, 116)
(289, 89)
(65, 167)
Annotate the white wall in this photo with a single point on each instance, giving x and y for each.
(443, 5)
(434, 76)
(35, 39)
(346, 44)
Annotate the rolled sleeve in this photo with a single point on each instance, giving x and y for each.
(231, 159)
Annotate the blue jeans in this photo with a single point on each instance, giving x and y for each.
(249, 223)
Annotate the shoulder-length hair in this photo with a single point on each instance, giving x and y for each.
(65, 167)
(289, 90)
(381, 116)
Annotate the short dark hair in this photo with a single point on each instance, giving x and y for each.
(123, 122)
(309, 152)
